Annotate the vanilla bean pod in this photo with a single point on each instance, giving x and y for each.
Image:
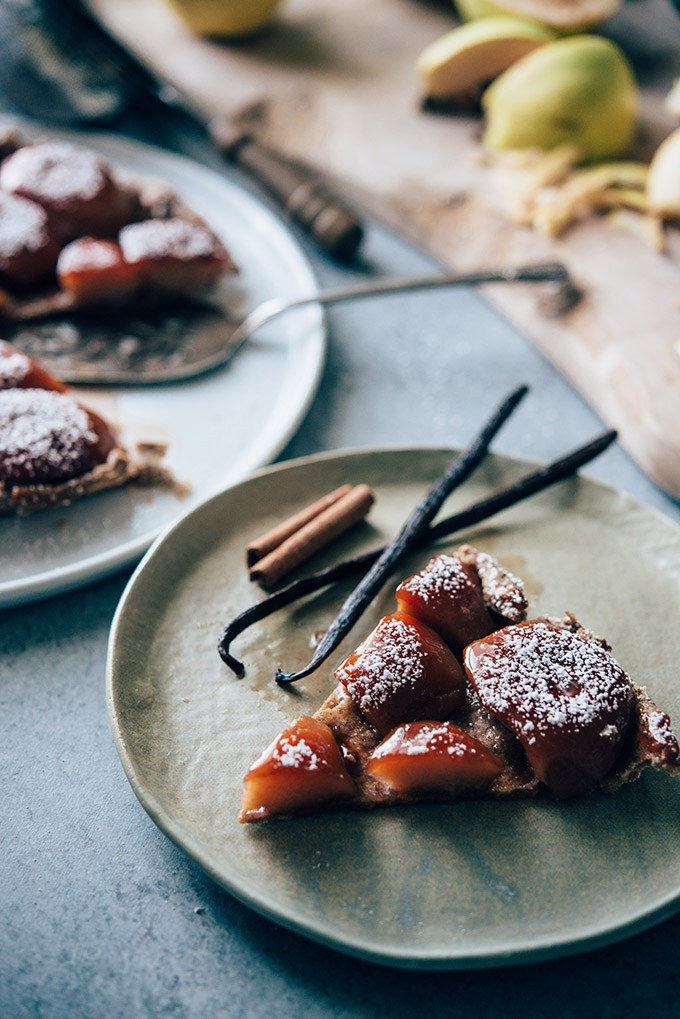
(541, 479)
(419, 519)
(553, 472)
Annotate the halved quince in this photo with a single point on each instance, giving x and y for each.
(74, 185)
(566, 699)
(447, 596)
(301, 769)
(47, 438)
(425, 756)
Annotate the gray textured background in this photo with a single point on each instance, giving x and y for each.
(101, 916)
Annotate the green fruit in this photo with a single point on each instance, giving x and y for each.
(457, 64)
(560, 15)
(579, 91)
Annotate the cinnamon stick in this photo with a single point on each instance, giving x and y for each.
(323, 527)
(266, 543)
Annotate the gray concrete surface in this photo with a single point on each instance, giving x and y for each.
(100, 915)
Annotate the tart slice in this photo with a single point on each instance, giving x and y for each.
(75, 234)
(53, 449)
(524, 706)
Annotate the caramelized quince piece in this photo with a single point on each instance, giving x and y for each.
(302, 769)
(403, 671)
(46, 438)
(174, 254)
(19, 370)
(431, 757)
(74, 186)
(447, 596)
(94, 271)
(28, 251)
(565, 697)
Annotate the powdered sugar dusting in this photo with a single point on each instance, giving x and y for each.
(87, 254)
(659, 725)
(167, 238)
(444, 575)
(14, 366)
(503, 589)
(394, 663)
(57, 172)
(295, 752)
(539, 679)
(427, 738)
(23, 226)
(43, 436)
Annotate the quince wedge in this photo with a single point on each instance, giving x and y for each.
(458, 64)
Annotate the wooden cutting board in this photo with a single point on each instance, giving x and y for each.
(334, 83)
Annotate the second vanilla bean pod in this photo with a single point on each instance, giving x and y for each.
(419, 520)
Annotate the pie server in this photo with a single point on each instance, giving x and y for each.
(171, 344)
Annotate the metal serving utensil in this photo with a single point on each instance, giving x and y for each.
(177, 342)
(172, 344)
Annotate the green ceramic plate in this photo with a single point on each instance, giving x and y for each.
(472, 884)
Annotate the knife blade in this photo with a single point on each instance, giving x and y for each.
(60, 65)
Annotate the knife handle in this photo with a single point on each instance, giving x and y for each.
(299, 190)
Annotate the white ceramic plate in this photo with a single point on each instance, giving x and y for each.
(219, 428)
(431, 886)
